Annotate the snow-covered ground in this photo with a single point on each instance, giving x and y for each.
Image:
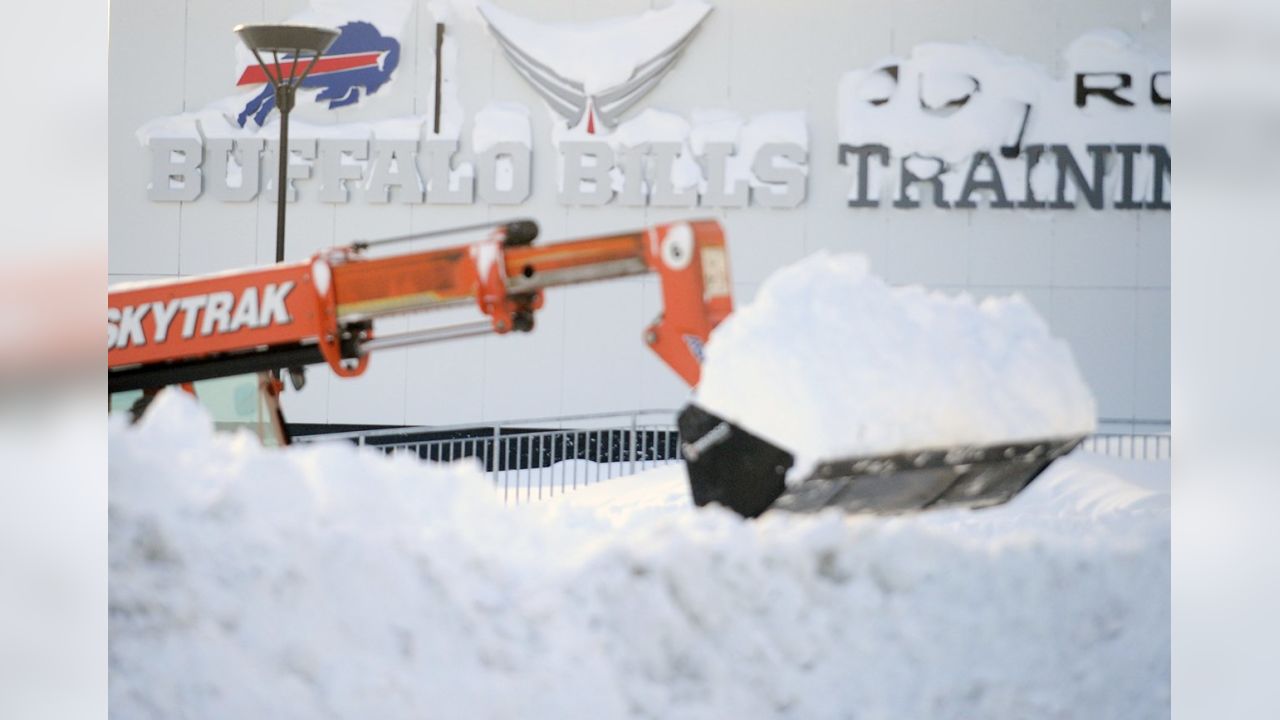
(330, 581)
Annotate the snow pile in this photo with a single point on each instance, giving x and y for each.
(498, 123)
(747, 136)
(909, 112)
(951, 100)
(648, 126)
(830, 361)
(336, 582)
(947, 101)
(501, 122)
(218, 118)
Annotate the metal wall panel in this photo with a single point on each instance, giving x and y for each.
(1100, 278)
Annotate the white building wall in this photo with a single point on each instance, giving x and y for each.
(1101, 278)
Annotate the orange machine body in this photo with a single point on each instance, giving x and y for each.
(240, 311)
(322, 308)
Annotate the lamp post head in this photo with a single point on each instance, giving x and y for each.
(296, 43)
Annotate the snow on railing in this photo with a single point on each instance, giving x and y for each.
(537, 458)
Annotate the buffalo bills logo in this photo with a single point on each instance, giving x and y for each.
(360, 57)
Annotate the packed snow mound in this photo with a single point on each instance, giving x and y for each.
(333, 581)
(945, 102)
(830, 361)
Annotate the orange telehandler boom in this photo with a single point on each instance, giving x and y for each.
(322, 310)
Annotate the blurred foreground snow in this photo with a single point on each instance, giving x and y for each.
(336, 582)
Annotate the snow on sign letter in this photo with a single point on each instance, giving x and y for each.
(954, 126)
(591, 74)
(592, 77)
(967, 123)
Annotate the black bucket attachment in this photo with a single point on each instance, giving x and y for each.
(731, 466)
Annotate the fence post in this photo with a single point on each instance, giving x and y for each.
(632, 471)
(493, 454)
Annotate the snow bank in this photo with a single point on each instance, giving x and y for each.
(830, 361)
(707, 126)
(336, 582)
(497, 123)
(948, 101)
(500, 122)
(217, 119)
(916, 111)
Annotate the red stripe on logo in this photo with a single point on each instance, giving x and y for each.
(254, 75)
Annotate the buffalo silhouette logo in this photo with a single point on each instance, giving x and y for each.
(360, 57)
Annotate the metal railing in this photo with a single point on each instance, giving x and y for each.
(539, 458)
(1131, 446)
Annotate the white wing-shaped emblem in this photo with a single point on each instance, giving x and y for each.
(595, 71)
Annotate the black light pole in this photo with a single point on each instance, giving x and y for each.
(296, 42)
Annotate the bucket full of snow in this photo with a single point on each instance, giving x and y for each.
(833, 388)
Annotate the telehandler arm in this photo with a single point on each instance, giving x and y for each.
(322, 310)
